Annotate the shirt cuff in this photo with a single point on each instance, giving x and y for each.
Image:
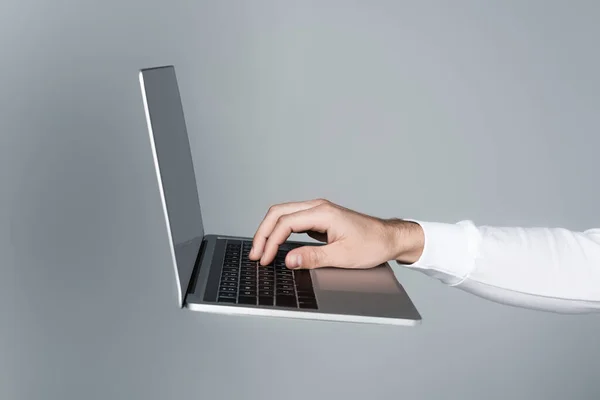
(449, 250)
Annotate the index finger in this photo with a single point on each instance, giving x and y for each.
(270, 220)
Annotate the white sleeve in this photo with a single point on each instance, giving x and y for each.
(550, 269)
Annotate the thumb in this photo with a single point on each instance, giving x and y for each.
(309, 257)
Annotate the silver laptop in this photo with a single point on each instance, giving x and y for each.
(213, 272)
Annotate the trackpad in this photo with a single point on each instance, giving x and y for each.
(374, 280)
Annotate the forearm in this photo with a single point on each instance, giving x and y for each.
(542, 268)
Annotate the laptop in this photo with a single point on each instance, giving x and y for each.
(213, 273)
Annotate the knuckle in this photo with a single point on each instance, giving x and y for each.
(316, 256)
(326, 207)
(283, 219)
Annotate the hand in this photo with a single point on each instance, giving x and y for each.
(354, 240)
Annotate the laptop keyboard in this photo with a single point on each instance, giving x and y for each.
(243, 281)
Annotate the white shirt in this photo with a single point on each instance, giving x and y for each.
(549, 269)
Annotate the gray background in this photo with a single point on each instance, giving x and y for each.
(436, 110)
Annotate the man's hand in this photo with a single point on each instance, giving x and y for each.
(354, 240)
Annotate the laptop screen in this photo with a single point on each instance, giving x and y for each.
(175, 170)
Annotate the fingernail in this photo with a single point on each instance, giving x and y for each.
(291, 261)
(295, 261)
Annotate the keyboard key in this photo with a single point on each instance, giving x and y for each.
(285, 292)
(265, 301)
(226, 299)
(286, 301)
(230, 270)
(247, 285)
(307, 304)
(227, 290)
(262, 292)
(306, 295)
(247, 300)
(250, 293)
(303, 277)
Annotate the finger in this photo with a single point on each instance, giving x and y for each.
(310, 257)
(313, 219)
(270, 220)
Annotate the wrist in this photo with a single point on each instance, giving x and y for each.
(408, 241)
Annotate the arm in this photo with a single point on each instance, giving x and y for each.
(548, 269)
(539, 268)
